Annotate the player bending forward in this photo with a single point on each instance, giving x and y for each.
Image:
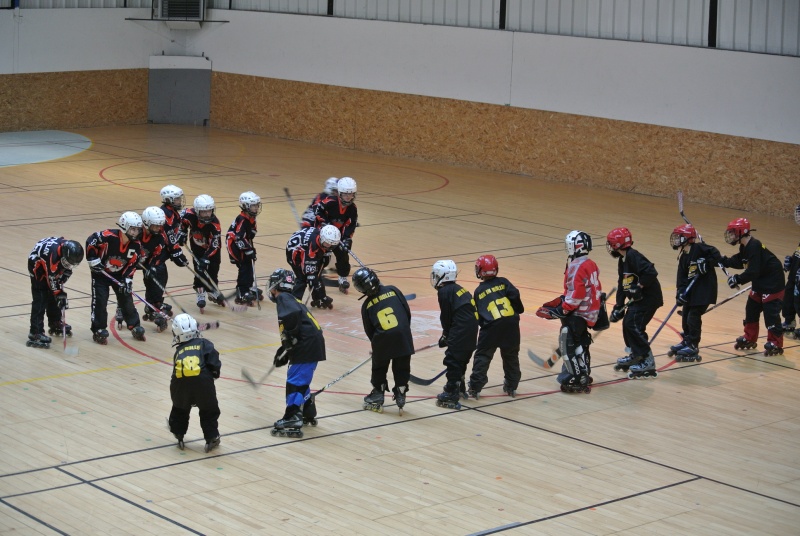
(578, 309)
(302, 347)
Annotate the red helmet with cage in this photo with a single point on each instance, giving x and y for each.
(618, 238)
(486, 267)
(737, 229)
(683, 234)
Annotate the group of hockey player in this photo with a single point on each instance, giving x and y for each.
(476, 323)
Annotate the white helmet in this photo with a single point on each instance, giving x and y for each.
(442, 272)
(184, 328)
(332, 186)
(577, 244)
(204, 203)
(345, 186)
(250, 203)
(173, 196)
(153, 217)
(131, 224)
(329, 236)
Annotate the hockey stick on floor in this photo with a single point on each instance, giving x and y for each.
(294, 208)
(419, 381)
(72, 350)
(343, 376)
(236, 308)
(153, 307)
(255, 284)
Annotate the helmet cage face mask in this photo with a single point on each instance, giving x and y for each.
(737, 229)
(329, 237)
(684, 234)
(173, 196)
(204, 208)
(281, 280)
(250, 203)
(131, 225)
(347, 189)
(617, 239)
(154, 219)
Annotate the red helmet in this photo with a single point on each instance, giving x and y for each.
(738, 228)
(619, 238)
(486, 267)
(683, 234)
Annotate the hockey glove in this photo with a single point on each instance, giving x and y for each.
(281, 358)
(127, 286)
(682, 298)
(634, 293)
(347, 244)
(551, 313)
(443, 341)
(214, 373)
(249, 255)
(733, 281)
(203, 265)
(617, 313)
(181, 241)
(149, 274)
(180, 259)
(787, 263)
(287, 341)
(96, 265)
(61, 300)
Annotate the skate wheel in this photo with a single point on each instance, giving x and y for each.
(671, 354)
(274, 432)
(181, 444)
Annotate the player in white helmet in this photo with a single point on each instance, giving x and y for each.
(241, 248)
(115, 253)
(203, 230)
(341, 212)
(305, 252)
(459, 319)
(309, 216)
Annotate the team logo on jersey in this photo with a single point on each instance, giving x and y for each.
(115, 264)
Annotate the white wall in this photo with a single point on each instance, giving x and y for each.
(734, 93)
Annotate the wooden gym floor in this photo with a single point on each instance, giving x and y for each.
(706, 448)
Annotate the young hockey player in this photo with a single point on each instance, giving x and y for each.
(302, 347)
(114, 254)
(459, 319)
(577, 309)
(50, 265)
(156, 249)
(203, 232)
(305, 253)
(387, 323)
(341, 212)
(242, 251)
(310, 215)
(196, 366)
(791, 298)
(499, 306)
(696, 262)
(638, 283)
(172, 200)
(763, 269)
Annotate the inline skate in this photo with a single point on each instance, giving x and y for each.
(288, 426)
(450, 397)
(771, 348)
(688, 354)
(100, 336)
(374, 400)
(38, 340)
(643, 367)
(399, 396)
(59, 329)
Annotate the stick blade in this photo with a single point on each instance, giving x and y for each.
(419, 381)
(410, 297)
(246, 375)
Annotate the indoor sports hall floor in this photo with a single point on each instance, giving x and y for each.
(706, 448)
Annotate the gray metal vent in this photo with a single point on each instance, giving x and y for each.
(193, 10)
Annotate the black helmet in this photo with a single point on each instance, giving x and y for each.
(281, 280)
(71, 254)
(366, 281)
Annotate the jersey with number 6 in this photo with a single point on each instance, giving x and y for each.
(387, 323)
(196, 357)
(499, 306)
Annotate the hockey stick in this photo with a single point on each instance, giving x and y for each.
(153, 307)
(255, 284)
(419, 381)
(729, 298)
(72, 350)
(294, 209)
(674, 307)
(246, 375)
(343, 376)
(236, 308)
(350, 251)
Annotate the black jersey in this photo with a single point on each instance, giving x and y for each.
(499, 306)
(118, 259)
(387, 323)
(204, 238)
(196, 357)
(332, 212)
(458, 316)
(310, 215)
(240, 236)
(172, 225)
(704, 290)
(296, 322)
(155, 249)
(44, 264)
(761, 267)
(304, 252)
(633, 269)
